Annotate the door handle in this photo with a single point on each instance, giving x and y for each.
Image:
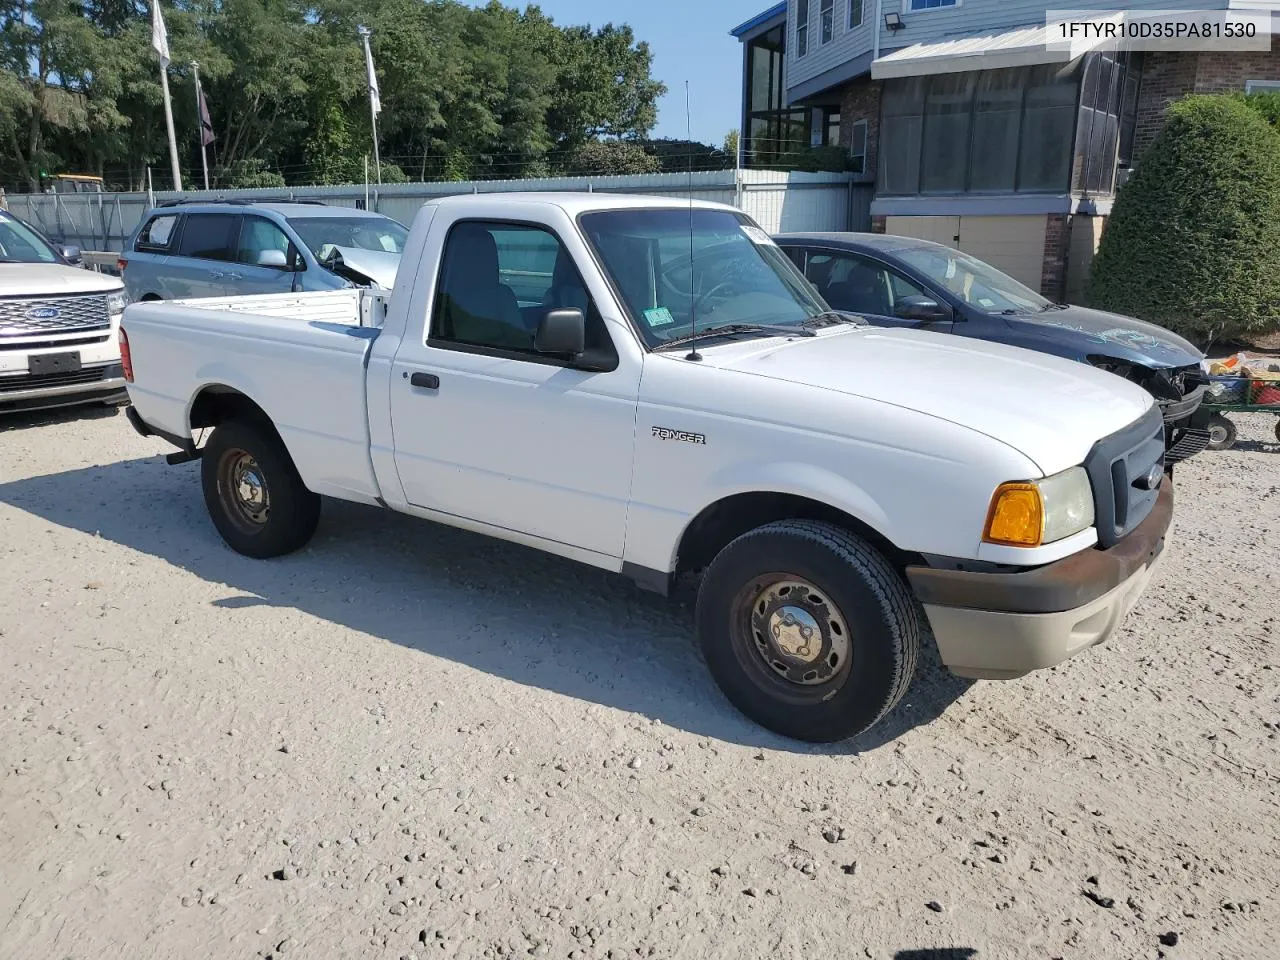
(428, 381)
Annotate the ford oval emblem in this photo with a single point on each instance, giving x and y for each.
(43, 313)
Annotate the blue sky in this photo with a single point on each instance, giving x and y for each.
(690, 41)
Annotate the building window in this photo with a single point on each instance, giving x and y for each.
(933, 4)
(802, 29)
(827, 17)
(1262, 86)
(855, 13)
(992, 131)
(772, 130)
(858, 146)
(1108, 116)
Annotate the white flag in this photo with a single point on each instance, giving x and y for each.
(374, 98)
(159, 35)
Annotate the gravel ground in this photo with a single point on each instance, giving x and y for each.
(406, 741)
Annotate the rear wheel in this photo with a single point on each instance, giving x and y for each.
(808, 630)
(253, 492)
(1222, 433)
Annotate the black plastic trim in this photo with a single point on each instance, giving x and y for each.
(646, 578)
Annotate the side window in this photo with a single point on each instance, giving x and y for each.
(209, 236)
(262, 243)
(498, 280)
(157, 233)
(852, 283)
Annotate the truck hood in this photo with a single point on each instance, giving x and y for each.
(1111, 335)
(52, 280)
(1051, 410)
(373, 265)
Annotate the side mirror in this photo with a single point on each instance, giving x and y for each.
(71, 253)
(562, 331)
(917, 307)
(273, 258)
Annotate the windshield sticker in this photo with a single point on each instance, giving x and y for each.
(757, 236)
(658, 317)
(986, 302)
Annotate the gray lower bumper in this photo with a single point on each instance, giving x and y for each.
(36, 397)
(994, 645)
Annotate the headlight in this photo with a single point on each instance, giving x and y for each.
(116, 302)
(1040, 511)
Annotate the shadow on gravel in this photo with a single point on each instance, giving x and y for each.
(944, 953)
(507, 610)
(30, 419)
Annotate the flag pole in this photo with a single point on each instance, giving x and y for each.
(374, 100)
(168, 121)
(204, 154)
(160, 43)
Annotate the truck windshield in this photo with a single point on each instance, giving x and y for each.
(737, 275)
(976, 283)
(323, 234)
(18, 244)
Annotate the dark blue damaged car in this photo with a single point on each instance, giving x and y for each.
(905, 282)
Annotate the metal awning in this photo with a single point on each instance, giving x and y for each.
(987, 50)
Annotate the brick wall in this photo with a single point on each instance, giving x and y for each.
(860, 100)
(1057, 240)
(1168, 76)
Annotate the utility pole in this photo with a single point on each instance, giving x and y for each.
(200, 108)
(375, 101)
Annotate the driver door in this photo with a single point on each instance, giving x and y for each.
(486, 428)
(861, 285)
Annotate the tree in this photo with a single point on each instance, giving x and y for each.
(1193, 242)
(607, 158)
(677, 156)
(731, 144)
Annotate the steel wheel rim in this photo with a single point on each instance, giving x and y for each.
(793, 632)
(243, 489)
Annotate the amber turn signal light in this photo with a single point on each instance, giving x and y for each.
(1016, 517)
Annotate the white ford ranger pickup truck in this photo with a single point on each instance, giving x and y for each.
(651, 387)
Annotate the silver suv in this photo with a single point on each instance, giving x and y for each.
(224, 248)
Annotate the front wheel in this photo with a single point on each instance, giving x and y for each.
(253, 492)
(808, 630)
(1222, 433)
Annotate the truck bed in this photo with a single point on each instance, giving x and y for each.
(354, 307)
(301, 357)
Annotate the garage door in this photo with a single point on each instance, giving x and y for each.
(1014, 245)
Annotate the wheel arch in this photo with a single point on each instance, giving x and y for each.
(216, 403)
(721, 522)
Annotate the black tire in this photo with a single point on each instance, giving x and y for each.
(1278, 429)
(1222, 433)
(250, 456)
(855, 586)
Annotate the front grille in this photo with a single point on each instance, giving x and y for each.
(1116, 466)
(28, 316)
(70, 378)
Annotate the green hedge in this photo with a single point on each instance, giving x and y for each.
(1193, 242)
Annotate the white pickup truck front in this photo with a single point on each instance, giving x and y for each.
(558, 371)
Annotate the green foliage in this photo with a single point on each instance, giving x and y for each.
(251, 173)
(731, 141)
(815, 160)
(1193, 242)
(466, 91)
(1267, 105)
(677, 156)
(607, 158)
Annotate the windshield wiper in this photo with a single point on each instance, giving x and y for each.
(834, 316)
(1055, 306)
(726, 329)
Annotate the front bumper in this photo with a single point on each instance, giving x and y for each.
(106, 383)
(997, 626)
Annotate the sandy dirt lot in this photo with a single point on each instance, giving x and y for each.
(407, 741)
